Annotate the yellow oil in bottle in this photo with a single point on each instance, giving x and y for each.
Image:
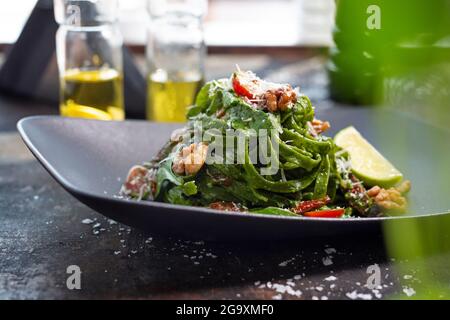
(168, 100)
(93, 94)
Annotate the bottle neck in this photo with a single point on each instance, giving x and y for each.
(86, 13)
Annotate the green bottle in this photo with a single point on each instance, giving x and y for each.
(376, 40)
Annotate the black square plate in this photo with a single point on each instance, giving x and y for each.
(91, 158)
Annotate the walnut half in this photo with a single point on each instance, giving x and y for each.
(190, 159)
(391, 199)
(280, 99)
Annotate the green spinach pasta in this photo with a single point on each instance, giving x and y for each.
(301, 172)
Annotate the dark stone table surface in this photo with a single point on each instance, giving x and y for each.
(43, 230)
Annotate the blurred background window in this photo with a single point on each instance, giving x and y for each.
(229, 22)
(12, 19)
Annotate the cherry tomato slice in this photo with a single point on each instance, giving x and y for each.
(240, 88)
(336, 213)
(306, 206)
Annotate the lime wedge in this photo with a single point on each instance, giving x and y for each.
(367, 163)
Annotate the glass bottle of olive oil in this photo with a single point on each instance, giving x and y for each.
(89, 54)
(176, 53)
(94, 94)
(168, 99)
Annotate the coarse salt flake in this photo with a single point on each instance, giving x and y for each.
(87, 221)
(327, 261)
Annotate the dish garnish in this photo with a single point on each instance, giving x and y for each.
(255, 146)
